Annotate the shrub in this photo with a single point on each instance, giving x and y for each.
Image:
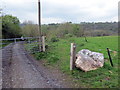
(34, 49)
(52, 58)
(40, 55)
(69, 35)
(54, 39)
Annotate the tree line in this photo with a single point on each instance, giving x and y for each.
(12, 28)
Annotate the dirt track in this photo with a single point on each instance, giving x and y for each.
(20, 70)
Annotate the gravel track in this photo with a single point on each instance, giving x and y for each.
(21, 70)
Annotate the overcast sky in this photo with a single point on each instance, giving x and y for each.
(58, 11)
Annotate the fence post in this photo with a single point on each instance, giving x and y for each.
(28, 40)
(43, 43)
(72, 56)
(15, 40)
(110, 57)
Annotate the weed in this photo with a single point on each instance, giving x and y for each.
(54, 39)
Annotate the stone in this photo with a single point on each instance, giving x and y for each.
(87, 60)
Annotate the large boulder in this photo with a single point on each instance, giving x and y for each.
(87, 60)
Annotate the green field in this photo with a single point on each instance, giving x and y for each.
(58, 53)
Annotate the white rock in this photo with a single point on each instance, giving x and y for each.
(87, 60)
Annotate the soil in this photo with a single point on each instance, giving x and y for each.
(21, 70)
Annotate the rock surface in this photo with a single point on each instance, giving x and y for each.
(88, 60)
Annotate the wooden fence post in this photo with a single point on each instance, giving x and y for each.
(15, 40)
(110, 57)
(72, 56)
(43, 43)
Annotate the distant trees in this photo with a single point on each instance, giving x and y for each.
(10, 26)
(68, 29)
(62, 30)
(29, 29)
(78, 30)
(113, 26)
(83, 29)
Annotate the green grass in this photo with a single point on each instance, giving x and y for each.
(58, 53)
(3, 45)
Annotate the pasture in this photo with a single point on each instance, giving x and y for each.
(58, 55)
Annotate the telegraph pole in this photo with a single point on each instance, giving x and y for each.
(39, 26)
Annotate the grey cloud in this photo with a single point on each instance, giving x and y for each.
(75, 12)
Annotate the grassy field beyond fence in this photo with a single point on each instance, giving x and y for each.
(58, 54)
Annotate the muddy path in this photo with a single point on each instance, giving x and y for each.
(21, 70)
